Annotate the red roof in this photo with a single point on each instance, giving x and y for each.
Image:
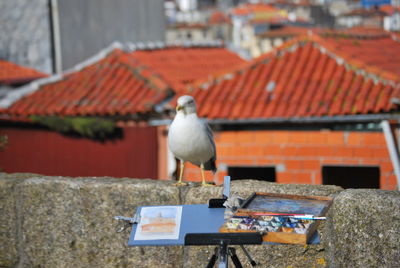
(124, 83)
(248, 9)
(298, 80)
(389, 9)
(113, 85)
(371, 49)
(180, 66)
(218, 17)
(11, 73)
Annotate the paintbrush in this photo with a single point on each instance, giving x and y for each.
(289, 215)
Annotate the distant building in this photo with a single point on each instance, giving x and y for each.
(25, 34)
(249, 20)
(361, 17)
(309, 112)
(277, 36)
(53, 35)
(315, 12)
(391, 22)
(218, 27)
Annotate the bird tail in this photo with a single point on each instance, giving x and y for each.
(210, 165)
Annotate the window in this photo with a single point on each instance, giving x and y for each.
(253, 173)
(351, 177)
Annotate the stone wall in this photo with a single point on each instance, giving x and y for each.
(68, 222)
(25, 33)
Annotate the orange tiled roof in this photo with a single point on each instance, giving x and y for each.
(301, 79)
(123, 83)
(11, 73)
(248, 9)
(218, 17)
(389, 9)
(371, 49)
(180, 66)
(111, 86)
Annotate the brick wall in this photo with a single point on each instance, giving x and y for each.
(299, 155)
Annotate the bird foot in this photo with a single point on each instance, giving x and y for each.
(207, 184)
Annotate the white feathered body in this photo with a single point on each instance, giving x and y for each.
(187, 143)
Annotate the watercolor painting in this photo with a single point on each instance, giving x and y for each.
(161, 222)
(285, 205)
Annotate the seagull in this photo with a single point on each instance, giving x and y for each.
(191, 139)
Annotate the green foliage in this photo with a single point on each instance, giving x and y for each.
(3, 142)
(94, 128)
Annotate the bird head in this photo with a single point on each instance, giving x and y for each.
(186, 105)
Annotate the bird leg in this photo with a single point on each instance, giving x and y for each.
(203, 177)
(180, 183)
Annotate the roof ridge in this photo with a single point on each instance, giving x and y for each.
(154, 45)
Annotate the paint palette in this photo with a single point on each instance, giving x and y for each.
(269, 224)
(278, 228)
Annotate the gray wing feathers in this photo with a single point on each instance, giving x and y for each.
(210, 164)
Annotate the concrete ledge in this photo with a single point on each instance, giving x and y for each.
(68, 222)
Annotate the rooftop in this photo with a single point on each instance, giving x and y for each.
(183, 65)
(121, 82)
(371, 49)
(301, 79)
(11, 73)
(253, 9)
(111, 86)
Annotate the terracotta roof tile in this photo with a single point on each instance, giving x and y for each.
(180, 66)
(371, 49)
(11, 73)
(108, 87)
(251, 9)
(300, 80)
(219, 17)
(124, 83)
(389, 9)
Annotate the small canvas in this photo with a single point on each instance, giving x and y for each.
(161, 222)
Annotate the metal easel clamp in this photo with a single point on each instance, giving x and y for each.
(219, 202)
(126, 222)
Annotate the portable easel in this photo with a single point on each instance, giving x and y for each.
(200, 225)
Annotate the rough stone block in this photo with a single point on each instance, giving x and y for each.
(68, 222)
(363, 229)
(9, 221)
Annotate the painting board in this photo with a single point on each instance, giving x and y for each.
(196, 218)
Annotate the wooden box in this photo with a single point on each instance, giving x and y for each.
(256, 210)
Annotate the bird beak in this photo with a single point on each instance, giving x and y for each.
(179, 107)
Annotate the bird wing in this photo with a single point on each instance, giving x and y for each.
(210, 164)
(210, 136)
